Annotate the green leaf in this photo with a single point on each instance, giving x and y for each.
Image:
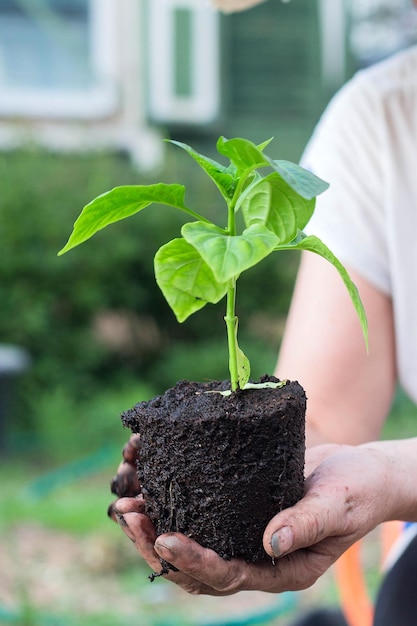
(243, 366)
(242, 153)
(119, 203)
(276, 205)
(246, 155)
(221, 175)
(239, 365)
(185, 280)
(228, 256)
(314, 244)
(264, 144)
(305, 183)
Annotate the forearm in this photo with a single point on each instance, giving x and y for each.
(349, 391)
(401, 477)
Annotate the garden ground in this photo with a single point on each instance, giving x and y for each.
(64, 563)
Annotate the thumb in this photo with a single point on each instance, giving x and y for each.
(307, 523)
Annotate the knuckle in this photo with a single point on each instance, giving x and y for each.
(130, 451)
(111, 512)
(125, 483)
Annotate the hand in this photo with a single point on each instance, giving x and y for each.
(126, 482)
(347, 495)
(198, 570)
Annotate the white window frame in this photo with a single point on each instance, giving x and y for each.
(96, 102)
(333, 25)
(202, 105)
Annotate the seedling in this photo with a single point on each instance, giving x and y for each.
(276, 200)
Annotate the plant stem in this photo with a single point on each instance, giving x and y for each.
(231, 326)
(235, 355)
(230, 317)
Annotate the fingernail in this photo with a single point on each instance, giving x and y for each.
(125, 526)
(114, 486)
(121, 520)
(125, 485)
(282, 541)
(166, 547)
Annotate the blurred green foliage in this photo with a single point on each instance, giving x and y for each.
(94, 322)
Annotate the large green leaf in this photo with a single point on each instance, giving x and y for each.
(221, 175)
(186, 281)
(275, 204)
(314, 244)
(305, 183)
(226, 255)
(119, 203)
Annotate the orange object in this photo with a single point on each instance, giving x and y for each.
(389, 535)
(354, 598)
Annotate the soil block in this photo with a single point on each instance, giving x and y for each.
(218, 468)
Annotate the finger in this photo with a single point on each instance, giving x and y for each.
(341, 500)
(206, 570)
(313, 519)
(302, 568)
(126, 505)
(206, 566)
(209, 571)
(111, 512)
(126, 482)
(131, 450)
(130, 505)
(140, 530)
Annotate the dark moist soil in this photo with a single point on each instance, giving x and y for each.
(219, 468)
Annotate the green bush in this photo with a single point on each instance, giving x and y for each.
(49, 303)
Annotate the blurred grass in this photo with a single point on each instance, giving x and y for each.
(77, 507)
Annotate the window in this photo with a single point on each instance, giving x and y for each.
(183, 61)
(54, 58)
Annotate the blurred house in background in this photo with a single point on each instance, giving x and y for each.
(123, 73)
(72, 76)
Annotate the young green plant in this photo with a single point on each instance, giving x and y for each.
(276, 199)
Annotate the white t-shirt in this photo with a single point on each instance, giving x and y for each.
(365, 146)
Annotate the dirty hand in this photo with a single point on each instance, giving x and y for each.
(347, 494)
(125, 482)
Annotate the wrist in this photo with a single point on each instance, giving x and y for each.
(399, 492)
